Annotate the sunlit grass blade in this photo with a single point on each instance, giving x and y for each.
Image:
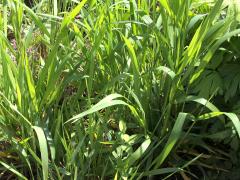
(174, 136)
(139, 152)
(72, 14)
(110, 100)
(233, 117)
(35, 18)
(43, 149)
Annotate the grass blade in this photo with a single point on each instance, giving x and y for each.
(108, 101)
(43, 149)
(13, 170)
(174, 136)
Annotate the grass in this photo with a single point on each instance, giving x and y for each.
(110, 89)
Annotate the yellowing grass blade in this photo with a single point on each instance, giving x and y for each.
(165, 4)
(72, 14)
(132, 54)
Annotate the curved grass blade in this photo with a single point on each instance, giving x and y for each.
(108, 101)
(233, 117)
(166, 70)
(139, 152)
(174, 136)
(43, 149)
(194, 20)
(72, 14)
(14, 108)
(203, 102)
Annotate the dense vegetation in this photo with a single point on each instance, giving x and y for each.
(119, 89)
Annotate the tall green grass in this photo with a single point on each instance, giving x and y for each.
(101, 89)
